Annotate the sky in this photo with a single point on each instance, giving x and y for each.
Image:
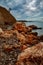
(25, 9)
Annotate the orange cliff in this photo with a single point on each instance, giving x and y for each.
(5, 16)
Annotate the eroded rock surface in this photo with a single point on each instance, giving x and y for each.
(18, 44)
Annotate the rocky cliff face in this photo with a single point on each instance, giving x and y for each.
(5, 16)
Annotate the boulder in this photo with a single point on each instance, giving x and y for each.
(33, 26)
(32, 39)
(21, 27)
(32, 55)
(41, 38)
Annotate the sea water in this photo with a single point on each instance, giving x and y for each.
(38, 24)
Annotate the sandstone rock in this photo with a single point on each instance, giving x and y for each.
(18, 44)
(20, 27)
(33, 55)
(32, 39)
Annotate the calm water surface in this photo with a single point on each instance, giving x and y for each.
(39, 24)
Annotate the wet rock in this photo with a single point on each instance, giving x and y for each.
(41, 38)
(33, 26)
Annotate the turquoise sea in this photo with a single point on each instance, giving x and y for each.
(38, 24)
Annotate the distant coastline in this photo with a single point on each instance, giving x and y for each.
(24, 21)
(27, 21)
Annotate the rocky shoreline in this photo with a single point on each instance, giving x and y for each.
(19, 45)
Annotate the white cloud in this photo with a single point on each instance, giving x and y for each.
(37, 14)
(13, 3)
(31, 5)
(41, 4)
(25, 8)
(33, 8)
